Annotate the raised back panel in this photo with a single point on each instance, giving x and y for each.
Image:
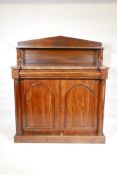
(42, 57)
(58, 51)
(59, 42)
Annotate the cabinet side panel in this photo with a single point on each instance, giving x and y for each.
(18, 113)
(101, 106)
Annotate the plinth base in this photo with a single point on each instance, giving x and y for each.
(59, 139)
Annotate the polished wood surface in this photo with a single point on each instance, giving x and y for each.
(59, 139)
(58, 57)
(40, 101)
(59, 42)
(79, 106)
(59, 87)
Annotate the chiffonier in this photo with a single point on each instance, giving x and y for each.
(59, 85)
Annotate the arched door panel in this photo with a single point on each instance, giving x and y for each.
(79, 106)
(40, 112)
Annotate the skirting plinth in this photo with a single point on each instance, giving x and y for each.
(59, 139)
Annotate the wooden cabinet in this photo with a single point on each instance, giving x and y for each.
(59, 90)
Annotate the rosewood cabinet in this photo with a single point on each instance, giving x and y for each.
(59, 87)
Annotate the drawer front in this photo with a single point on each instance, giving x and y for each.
(60, 74)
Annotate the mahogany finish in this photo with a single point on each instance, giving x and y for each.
(59, 91)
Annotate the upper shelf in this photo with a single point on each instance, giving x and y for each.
(60, 42)
(60, 51)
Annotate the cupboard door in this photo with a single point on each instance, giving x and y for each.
(79, 106)
(40, 106)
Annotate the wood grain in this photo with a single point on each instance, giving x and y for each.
(79, 106)
(59, 139)
(59, 42)
(59, 91)
(40, 101)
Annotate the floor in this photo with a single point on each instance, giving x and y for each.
(42, 159)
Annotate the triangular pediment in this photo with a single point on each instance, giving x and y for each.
(59, 42)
